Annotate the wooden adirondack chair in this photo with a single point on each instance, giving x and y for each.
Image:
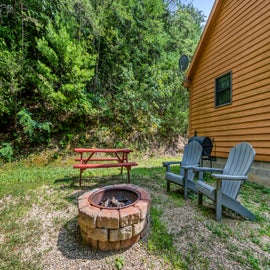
(229, 181)
(191, 157)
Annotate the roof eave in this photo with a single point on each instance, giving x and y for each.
(204, 37)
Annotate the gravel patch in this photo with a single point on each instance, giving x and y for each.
(202, 242)
(58, 240)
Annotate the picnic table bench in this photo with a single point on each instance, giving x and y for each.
(117, 158)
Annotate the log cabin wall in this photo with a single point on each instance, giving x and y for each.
(237, 40)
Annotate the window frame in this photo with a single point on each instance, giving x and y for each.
(223, 90)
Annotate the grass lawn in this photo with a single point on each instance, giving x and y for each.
(38, 221)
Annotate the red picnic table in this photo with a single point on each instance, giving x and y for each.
(112, 158)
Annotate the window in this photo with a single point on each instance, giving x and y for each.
(223, 90)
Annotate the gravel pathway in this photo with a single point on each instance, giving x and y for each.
(202, 242)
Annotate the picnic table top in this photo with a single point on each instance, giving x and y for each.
(103, 150)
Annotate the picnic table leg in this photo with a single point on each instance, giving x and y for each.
(124, 159)
(128, 174)
(120, 160)
(81, 177)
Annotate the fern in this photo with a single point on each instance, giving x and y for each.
(30, 125)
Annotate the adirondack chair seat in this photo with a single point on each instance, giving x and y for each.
(210, 191)
(203, 187)
(191, 159)
(174, 178)
(229, 182)
(206, 189)
(179, 180)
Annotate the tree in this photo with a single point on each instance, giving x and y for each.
(63, 70)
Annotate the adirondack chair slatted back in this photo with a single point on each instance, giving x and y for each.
(239, 162)
(191, 156)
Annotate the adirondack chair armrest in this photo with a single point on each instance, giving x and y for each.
(201, 170)
(207, 169)
(230, 177)
(190, 166)
(168, 164)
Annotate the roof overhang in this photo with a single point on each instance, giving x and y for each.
(203, 41)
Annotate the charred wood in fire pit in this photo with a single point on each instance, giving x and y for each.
(113, 202)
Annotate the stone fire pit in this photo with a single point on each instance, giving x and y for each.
(114, 217)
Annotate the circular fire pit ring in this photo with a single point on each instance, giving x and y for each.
(114, 217)
(114, 197)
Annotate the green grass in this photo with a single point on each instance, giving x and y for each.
(34, 185)
(161, 242)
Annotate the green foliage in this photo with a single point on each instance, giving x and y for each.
(90, 66)
(119, 262)
(64, 69)
(252, 260)
(141, 80)
(6, 151)
(30, 126)
(11, 72)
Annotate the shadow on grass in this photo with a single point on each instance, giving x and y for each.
(88, 178)
(72, 246)
(138, 176)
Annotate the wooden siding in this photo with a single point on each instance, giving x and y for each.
(238, 41)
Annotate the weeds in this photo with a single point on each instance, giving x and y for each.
(119, 262)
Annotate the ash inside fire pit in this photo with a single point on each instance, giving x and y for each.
(114, 198)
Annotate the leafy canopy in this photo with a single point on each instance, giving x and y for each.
(105, 68)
